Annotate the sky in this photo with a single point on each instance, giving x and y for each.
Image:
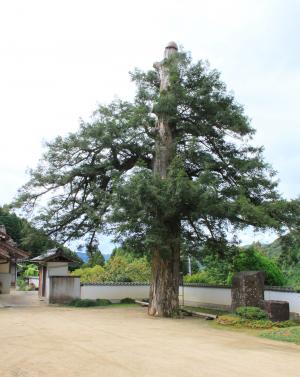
(59, 59)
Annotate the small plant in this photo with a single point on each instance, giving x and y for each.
(251, 312)
(229, 320)
(22, 285)
(127, 300)
(85, 303)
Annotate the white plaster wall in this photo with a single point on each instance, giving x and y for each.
(114, 292)
(5, 280)
(63, 289)
(195, 296)
(34, 280)
(209, 296)
(55, 269)
(192, 296)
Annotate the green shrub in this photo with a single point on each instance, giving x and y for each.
(127, 300)
(85, 303)
(251, 312)
(78, 303)
(103, 302)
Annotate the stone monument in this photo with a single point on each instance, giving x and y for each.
(248, 289)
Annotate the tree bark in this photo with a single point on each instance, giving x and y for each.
(165, 265)
(164, 289)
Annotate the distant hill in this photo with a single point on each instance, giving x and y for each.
(273, 250)
(285, 248)
(82, 256)
(85, 258)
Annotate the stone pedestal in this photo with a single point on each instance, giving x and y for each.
(277, 310)
(248, 289)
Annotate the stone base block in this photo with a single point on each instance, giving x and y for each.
(277, 310)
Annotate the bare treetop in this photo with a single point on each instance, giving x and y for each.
(170, 49)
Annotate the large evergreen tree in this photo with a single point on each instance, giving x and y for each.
(171, 171)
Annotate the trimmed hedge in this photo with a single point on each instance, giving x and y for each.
(127, 300)
(85, 303)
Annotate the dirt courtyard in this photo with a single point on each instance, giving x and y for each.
(124, 341)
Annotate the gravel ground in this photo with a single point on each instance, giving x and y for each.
(45, 341)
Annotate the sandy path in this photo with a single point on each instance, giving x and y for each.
(111, 342)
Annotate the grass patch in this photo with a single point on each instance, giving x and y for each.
(291, 334)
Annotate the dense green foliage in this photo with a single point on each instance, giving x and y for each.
(25, 235)
(94, 274)
(13, 224)
(251, 312)
(30, 270)
(252, 260)
(29, 238)
(245, 259)
(216, 185)
(119, 268)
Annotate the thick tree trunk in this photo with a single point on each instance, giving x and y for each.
(165, 265)
(164, 288)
